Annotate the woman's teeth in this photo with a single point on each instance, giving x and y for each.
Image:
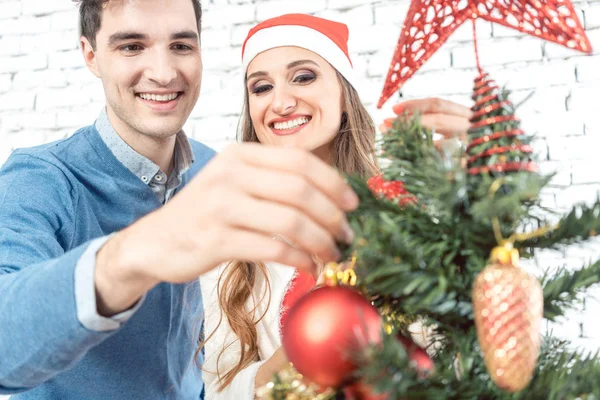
(290, 124)
(159, 97)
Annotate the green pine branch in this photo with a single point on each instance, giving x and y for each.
(421, 258)
(415, 144)
(577, 226)
(563, 288)
(513, 203)
(460, 373)
(563, 374)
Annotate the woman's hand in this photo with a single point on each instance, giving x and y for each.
(273, 365)
(442, 116)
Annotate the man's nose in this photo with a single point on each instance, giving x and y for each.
(162, 68)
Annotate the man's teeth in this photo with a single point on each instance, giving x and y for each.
(158, 97)
(290, 124)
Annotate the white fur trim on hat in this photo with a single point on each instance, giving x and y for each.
(299, 36)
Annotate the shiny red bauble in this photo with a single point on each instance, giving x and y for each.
(325, 329)
(419, 360)
(418, 357)
(362, 391)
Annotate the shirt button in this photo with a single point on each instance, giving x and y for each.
(158, 177)
(145, 178)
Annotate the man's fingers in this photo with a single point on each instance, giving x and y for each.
(297, 192)
(432, 106)
(249, 245)
(300, 162)
(270, 219)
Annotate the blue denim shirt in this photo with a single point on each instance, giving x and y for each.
(58, 203)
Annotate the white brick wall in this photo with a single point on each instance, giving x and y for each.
(46, 92)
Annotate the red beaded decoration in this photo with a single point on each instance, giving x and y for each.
(391, 190)
(484, 92)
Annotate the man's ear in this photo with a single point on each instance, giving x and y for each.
(89, 55)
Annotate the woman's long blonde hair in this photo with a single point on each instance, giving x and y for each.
(353, 153)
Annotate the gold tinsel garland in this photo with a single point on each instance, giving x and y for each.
(289, 385)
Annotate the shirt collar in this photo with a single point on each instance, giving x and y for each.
(139, 165)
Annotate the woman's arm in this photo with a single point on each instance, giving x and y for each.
(269, 368)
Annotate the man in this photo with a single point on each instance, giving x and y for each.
(99, 296)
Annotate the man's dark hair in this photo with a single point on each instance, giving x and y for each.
(90, 17)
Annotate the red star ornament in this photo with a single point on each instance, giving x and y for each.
(429, 23)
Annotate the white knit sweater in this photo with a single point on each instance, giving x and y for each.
(268, 332)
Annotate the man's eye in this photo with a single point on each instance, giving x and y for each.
(131, 47)
(182, 47)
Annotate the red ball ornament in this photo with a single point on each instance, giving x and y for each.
(418, 357)
(325, 328)
(361, 391)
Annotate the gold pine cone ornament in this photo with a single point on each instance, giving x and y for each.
(508, 308)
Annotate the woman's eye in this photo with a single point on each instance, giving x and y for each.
(304, 78)
(261, 89)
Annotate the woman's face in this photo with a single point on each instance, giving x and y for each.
(295, 99)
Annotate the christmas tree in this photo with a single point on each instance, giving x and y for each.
(436, 254)
(441, 248)
(422, 258)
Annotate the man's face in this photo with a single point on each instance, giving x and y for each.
(148, 58)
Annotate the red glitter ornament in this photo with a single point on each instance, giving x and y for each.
(494, 136)
(391, 190)
(506, 167)
(429, 23)
(524, 148)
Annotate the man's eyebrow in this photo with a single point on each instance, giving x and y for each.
(185, 35)
(127, 35)
(131, 35)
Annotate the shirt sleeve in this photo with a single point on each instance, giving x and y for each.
(85, 293)
(41, 333)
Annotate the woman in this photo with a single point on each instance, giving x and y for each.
(299, 93)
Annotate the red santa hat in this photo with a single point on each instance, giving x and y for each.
(329, 39)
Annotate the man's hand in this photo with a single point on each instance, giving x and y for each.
(230, 210)
(443, 116)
